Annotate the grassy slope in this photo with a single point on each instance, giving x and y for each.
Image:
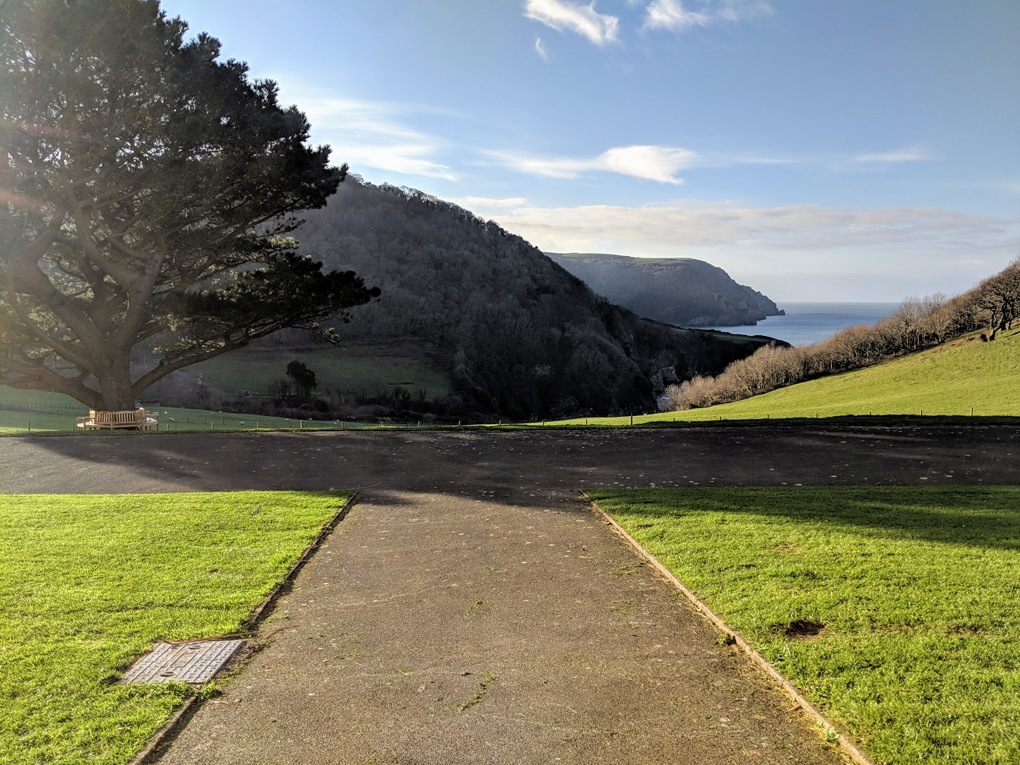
(364, 370)
(48, 412)
(947, 380)
(917, 589)
(88, 583)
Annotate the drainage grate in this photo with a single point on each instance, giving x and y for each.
(189, 663)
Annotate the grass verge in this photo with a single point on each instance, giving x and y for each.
(89, 583)
(894, 610)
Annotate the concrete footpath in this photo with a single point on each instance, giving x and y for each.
(472, 609)
(442, 629)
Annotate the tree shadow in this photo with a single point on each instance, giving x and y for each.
(979, 517)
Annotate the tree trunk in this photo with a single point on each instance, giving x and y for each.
(116, 394)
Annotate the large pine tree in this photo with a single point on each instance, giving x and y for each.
(146, 190)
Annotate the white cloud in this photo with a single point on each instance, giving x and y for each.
(793, 252)
(364, 133)
(406, 159)
(742, 10)
(908, 154)
(654, 163)
(792, 227)
(671, 14)
(489, 203)
(541, 49)
(562, 15)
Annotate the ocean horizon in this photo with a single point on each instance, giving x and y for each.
(807, 323)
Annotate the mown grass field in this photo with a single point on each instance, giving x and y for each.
(947, 380)
(944, 381)
(367, 371)
(917, 590)
(46, 412)
(89, 583)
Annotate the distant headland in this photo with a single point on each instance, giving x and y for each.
(679, 291)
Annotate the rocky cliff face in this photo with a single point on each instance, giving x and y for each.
(679, 291)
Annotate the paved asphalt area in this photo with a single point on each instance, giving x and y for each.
(472, 609)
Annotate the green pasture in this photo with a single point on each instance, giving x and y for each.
(913, 595)
(46, 412)
(947, 381)
(89, 583)
(366, 371)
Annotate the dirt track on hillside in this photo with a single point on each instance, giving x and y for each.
(471, 608)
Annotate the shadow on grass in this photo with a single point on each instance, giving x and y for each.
(985, 517)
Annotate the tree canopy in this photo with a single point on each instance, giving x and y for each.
(519, 336)
(146, 191)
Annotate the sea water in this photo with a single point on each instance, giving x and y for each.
(806, 323)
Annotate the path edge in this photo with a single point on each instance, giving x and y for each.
(763, 664)
(187, 710)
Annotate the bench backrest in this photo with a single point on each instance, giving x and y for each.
(118, 418)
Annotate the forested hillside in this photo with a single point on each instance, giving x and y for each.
(680, 291)
(521, 337)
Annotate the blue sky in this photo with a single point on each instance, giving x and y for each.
(815, 149)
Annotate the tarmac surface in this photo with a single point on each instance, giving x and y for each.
(472, 609)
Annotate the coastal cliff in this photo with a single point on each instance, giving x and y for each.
(679, 291)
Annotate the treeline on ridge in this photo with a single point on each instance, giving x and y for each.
(520, 336)
(917, 324)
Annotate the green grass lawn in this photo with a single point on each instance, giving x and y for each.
(89, 583)
(46, 412)
(947, 380)
(943, 381)
(918, 591)
(364, 370)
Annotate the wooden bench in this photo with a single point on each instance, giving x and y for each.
(137, 419)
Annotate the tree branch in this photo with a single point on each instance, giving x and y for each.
(37, 376)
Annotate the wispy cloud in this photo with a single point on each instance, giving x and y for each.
(741, 10)
(908, 154)
(654, 163)
(409, 159)
(372, 134)
(541, 49)
(490, 203)
(694, 224)
(562, 15)
(671, 14)
(832, 253)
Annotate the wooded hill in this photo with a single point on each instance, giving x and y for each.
(680, 291)
(520, 336)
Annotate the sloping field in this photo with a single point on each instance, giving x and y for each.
(37, 411)
(947, 380)
(365, 370)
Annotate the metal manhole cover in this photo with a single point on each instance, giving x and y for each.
(188, 662)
